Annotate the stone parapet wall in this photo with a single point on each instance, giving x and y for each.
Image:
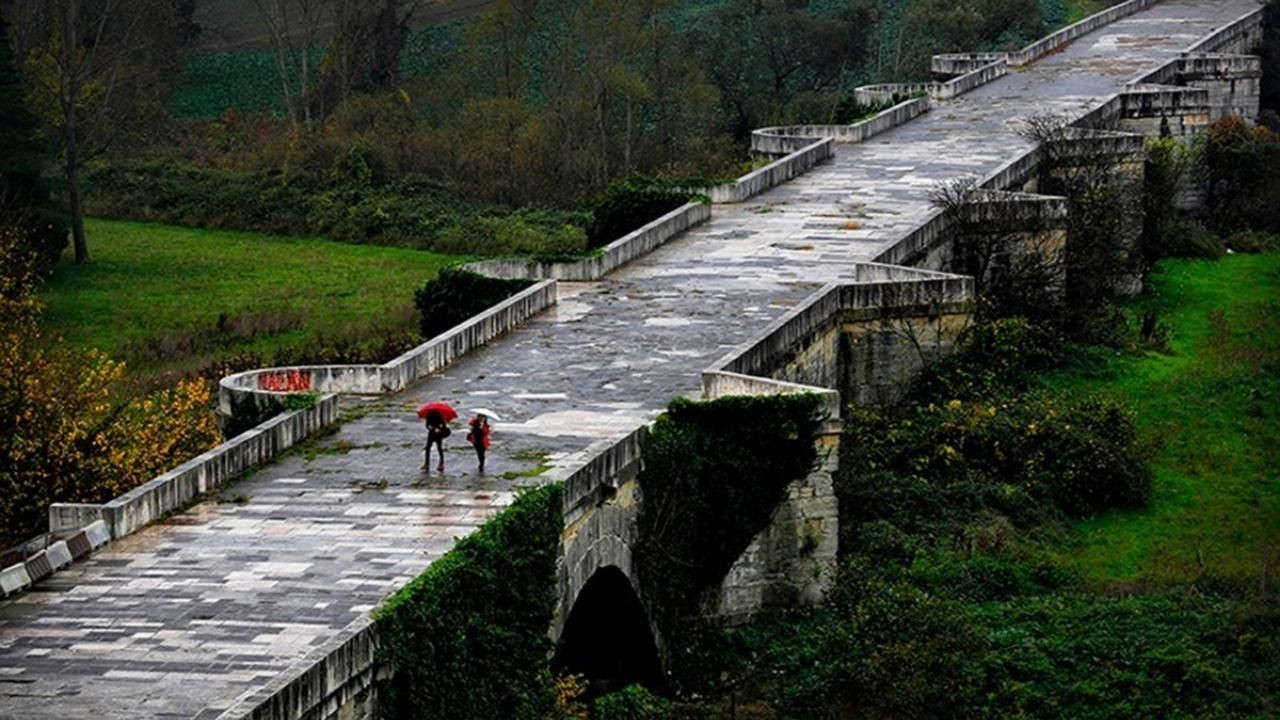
(1243, 35)
(950, 65)
(796, 163)
(788, 139)
(333, 682)
(204, 473)
(1073, 32)
(613, 256)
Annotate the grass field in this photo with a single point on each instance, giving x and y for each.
(1213, 407)
(166, 297)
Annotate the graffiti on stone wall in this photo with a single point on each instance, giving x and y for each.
(285, 381)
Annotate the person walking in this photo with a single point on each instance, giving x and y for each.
(479, 437)
(437, 431)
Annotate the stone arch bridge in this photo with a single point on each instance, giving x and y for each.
(826, 271)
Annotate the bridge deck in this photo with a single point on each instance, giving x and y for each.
(182, 618)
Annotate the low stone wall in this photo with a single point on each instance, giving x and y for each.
(888, 92)
(182, 485)
(969, 81)
(442, 350)
(1069, 34)
(333, 682)
(607, 465)
(950, 65)
(796, 163)
(267, 389)
(613, 256)
(975, 75)
(783, 140)
(1242, 35)
(19, 576)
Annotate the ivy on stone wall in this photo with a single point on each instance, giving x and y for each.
(713, 474)
(468, 637)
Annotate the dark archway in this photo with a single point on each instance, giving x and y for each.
(607, 637)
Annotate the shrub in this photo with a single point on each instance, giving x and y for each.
(631, 703)
(349, 201)
(1243, 169)
(994, 358)
(511, 235)
(628, 205)
(456, 294)
(1028, 459)
(73, 432)
(1253, 241)
(468, 637)
(1191, 239)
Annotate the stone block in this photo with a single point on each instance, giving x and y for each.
(97, 534)
(79, 545)
(59, 555)
(38, 567)
(14, 579)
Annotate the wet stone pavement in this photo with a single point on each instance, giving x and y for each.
(184, 617)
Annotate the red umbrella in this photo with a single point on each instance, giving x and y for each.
(446, 411)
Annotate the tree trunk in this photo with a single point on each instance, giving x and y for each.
(77, 213)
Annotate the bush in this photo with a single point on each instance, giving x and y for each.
(468, 637)
(1253, 241)
(631, 703)
(73, 432)
(349, 202)
(511, 235)
(994, 358)
(1243, 168)
(628, 205)
(1028, 459)
(1191, 239)
(456, 294)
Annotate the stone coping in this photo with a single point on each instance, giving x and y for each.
(794, 138)
(635, 244)
(1070, 33)
(796, 163)
(79, 543)
(431, 356)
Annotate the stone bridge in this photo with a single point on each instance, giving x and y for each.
(822, 272)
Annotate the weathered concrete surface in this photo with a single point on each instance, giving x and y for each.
(180, 619)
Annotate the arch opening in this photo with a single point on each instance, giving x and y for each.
(607, 638)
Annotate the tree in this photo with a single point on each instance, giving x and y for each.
(293, 29)
(364, 52)
(24, 195)
(71, 434)
(99, 70)
(1103, 188)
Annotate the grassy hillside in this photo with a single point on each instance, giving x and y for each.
(164, 297)
(1212, 405)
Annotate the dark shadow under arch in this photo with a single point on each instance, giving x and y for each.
(607, 637)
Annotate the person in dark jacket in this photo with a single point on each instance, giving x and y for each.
(437, 431)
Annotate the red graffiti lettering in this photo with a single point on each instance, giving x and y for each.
(285, 381)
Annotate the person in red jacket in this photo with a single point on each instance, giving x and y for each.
(479, 437)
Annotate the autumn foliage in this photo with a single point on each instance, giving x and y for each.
(73, 430)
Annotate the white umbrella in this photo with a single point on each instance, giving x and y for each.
(493, 416)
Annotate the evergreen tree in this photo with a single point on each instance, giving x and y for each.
(25, 200)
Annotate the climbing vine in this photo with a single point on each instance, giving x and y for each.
(713, 474)
(468, 637)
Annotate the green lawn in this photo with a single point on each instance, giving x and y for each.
(1213, 407)
(154, 293)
